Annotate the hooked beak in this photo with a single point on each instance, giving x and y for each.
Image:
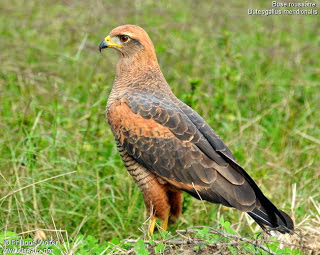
(103, 45)
(107, 43)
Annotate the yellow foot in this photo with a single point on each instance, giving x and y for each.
(164, 224)
(152, 224)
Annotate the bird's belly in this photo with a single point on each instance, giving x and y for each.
(141, 175)
(155, 190)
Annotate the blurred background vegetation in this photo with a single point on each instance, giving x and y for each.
(255, 79)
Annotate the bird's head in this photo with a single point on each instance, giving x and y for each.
(133, 44)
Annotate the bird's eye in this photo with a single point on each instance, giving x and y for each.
(124, 38)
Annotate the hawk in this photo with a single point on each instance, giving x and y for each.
(167, 147)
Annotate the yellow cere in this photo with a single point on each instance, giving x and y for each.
(111, 44)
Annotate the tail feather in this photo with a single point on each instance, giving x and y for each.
(282, 224)
(266, 214)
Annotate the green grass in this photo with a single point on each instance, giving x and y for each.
(256, 80)
(201, 240)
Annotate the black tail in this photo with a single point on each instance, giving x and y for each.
(283, 224)
(265, 214)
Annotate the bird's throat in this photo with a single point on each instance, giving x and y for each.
(137, 63)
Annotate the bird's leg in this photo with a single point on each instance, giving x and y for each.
(152, 224)
(164, 223)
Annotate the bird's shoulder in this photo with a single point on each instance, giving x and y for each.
(130, 117)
